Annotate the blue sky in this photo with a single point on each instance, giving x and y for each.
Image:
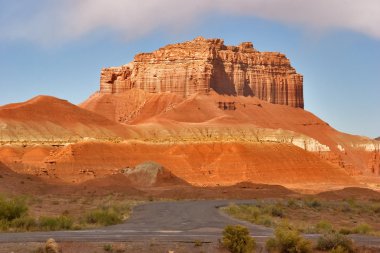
(58, 47)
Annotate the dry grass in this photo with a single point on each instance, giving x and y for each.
(59, 213)
(314, 215)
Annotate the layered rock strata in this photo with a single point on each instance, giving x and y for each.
(202, 65)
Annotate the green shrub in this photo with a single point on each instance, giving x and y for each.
(103, 217)
(237, 239)
(65, 222)
(56, 223)
(345, 231)
(198, 243)
(253, 212)
(12, 208)
(276, 211)
(265, 220)
(339, 249)
(292, 203)
(287, 240)
(324, 227)
(48, 223)
(108, 215)
(271, 245)
(246, 212)
(313, 203)
(4, 225)
(332, 241)
(362, 228)
(108, 247)
(14, 217)
(24, 223)
(262, 215)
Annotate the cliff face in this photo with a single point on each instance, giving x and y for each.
(203, 64)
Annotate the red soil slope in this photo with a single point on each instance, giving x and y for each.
(45, 119)
(206, 140)
(199, 116)
(202, 164)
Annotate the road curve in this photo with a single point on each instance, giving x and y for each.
(165, 221)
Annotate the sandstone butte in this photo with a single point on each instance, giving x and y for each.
(202, 65)
(210, 114)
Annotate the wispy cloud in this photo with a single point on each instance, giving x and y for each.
(49, 22)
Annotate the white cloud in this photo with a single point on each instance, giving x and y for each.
(66, 20)
(360, 16)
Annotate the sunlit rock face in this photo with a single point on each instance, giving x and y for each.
(202, 65)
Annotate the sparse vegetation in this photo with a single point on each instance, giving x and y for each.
(313, 215)
(108, 215)
(362, 228)
(103, 217)
(256, 214)
(237, 239)
(55, 223)
(335, 242)
(287, 240)
(198, 243)
(276, 211)
(345, 231)
(25, 223)
(313, 203)
(108, 247)
(324, 227)
(12, 208)
(14, 216)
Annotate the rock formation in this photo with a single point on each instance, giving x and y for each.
(203, 64)
(151, 174)
(378, 138)
(170, 106)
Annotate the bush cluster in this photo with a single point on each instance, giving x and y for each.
(108, 215)
(27, 223)
(266, 215)
(11, 209)
(56, 223)
(313, 203)
(237, 239)
(286, 240)
(104, 217)
(14, 217)
(335, 242)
